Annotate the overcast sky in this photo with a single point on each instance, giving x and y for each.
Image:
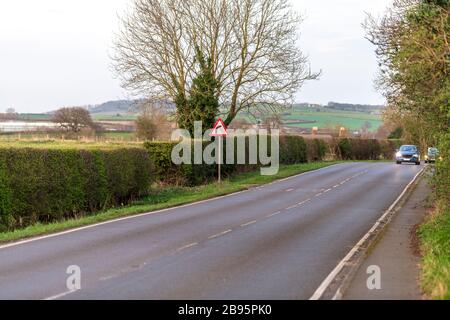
(55, 52)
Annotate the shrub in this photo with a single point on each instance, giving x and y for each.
(167, 172)
(345, 149)
(316, 149)
(388, 148)
(365, 149)
(40, 185)
(292, 150)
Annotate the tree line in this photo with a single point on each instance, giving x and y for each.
(412, 46)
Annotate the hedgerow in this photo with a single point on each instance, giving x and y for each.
(365, 149)
(41, 185)
(293, 149)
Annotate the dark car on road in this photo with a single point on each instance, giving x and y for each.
(408, 153)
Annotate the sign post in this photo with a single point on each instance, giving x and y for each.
(219, 131)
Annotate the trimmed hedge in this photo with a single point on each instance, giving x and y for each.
(41, 185)
(293, 149)
(316, 149)
(365, 149)
(165, 171)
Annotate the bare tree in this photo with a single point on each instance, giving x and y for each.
(10, 114)
(153, 122)
(252, 45)
(73, 119)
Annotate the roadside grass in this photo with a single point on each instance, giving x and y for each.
(166, 197)
(435, 245)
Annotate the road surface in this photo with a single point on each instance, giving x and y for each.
(279, 241)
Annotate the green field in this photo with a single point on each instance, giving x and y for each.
(324, 117)
(114, 117)
(67, 144)
(327, 117)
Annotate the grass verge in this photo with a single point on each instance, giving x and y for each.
(166, 198)
(435, 245)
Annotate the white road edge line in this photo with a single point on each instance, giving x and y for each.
(13, 244)
(220, 234)
(328, 280)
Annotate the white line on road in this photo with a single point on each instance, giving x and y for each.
(303, 202)
(58, 296)
(220, 234)
(13, 244)
(319, 194)
(292, 207)
(273, 214)
(248, 223)
(289, 190)
(187, 246)
(331, 277)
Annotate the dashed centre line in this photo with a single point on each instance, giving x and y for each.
(248, 223)
(323, 191)
(273, 214)
(303, 202)
(187, 246)
(220, 234)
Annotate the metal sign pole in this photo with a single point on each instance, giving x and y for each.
(220, 158)
(219, 131)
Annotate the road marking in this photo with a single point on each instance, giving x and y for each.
(289, 190)
(336, 186)
(328, 190)
(248, 223)
(273, 214)
(303, 202)
(331, 277)
(292, 207)
(319, 194)
(20, 242)
(220, 234)
(58, 296)
(187, 246)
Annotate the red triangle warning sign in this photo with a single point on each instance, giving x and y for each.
(219, 130)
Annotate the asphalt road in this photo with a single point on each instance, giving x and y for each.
(279, 241)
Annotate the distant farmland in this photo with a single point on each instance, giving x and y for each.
(308, 118)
